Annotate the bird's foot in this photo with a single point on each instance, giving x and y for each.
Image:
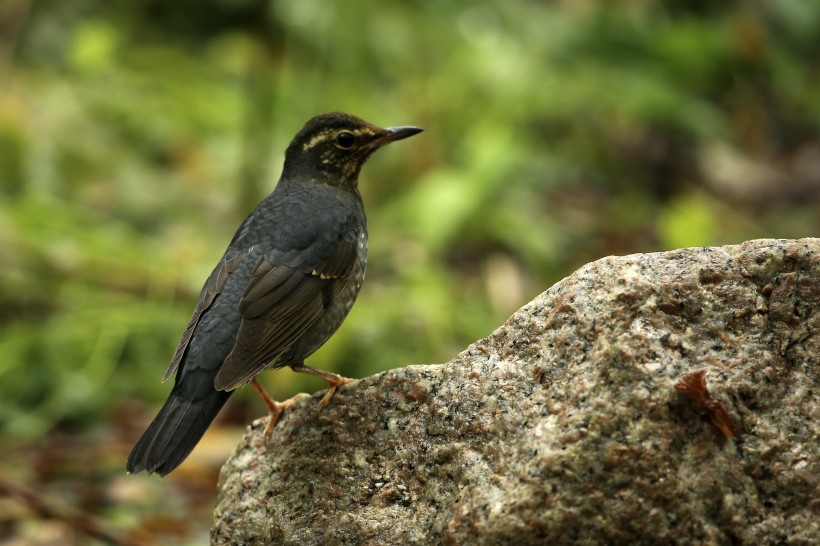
(273, 417)
(334, 381)
(275, 408)
(331, 390)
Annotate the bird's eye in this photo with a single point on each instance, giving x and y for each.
(345, 140)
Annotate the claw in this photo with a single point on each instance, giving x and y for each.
(275, 408)
(334, 381)
(331, 390)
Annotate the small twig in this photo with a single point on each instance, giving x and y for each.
(82, 522)
(12, 22)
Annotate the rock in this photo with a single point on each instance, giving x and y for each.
(580, 421)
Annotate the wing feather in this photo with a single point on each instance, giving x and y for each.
(279, 304)
(213, 287)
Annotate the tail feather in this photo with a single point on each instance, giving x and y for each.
(175, 431)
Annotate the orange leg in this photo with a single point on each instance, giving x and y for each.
(275, 408)
(333, 381)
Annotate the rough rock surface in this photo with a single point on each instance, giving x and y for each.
(565, 425)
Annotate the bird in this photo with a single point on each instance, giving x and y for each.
(287, 280)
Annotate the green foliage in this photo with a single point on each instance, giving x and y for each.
(135, 136)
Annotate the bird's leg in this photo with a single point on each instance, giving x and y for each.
(334, 381)
(275, 408)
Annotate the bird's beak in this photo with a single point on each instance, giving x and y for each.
(398, 133)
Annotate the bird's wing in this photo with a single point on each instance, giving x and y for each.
(280, 303)
(213, 287)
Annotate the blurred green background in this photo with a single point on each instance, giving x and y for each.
(136, 135)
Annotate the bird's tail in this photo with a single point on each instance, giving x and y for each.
(175, 431)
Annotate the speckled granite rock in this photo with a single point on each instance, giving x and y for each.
(565, 426)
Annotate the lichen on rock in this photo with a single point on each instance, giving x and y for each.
(565, 426)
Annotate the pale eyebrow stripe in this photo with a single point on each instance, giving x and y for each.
(319, 137)
(315, 140)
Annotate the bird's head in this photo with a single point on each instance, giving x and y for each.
(333, 147)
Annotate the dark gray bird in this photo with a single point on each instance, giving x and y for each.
(288, 279)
